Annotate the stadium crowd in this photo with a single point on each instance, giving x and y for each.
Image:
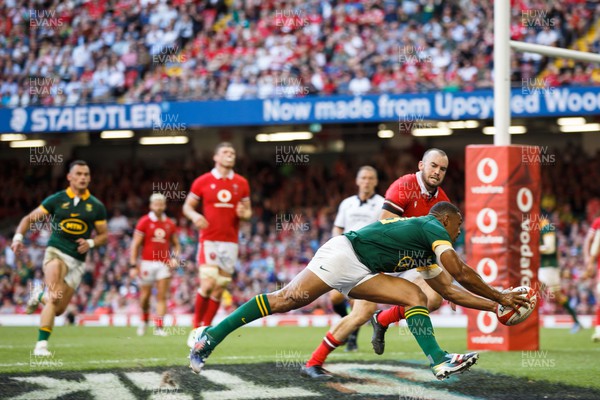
(72, 52)
(292, 218)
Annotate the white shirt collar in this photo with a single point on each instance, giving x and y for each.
(154, 218)
(217, 175)
(370, 198)
(424, 190)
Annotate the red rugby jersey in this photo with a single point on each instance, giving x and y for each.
(408, 197)
(157, 237)
(220, 196)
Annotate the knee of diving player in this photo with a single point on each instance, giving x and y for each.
(301, 291)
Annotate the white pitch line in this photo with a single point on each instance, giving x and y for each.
(25, 346)
(154, 359)
(136, 360)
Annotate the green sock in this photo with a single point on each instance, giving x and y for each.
(420, 326)
(253, 309)
(44, 333)
(570, 310)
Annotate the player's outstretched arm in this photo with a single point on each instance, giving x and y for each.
(444, 286)
(473, 282)
(36, 215)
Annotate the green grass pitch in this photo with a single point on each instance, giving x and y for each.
(563, 358)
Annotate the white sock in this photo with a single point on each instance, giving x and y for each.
(41, 344)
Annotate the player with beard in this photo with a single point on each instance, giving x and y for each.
(361, 264)
(411, 195)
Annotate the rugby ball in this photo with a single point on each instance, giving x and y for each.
(509, 316)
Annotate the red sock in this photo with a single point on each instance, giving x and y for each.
(391, 315)
(200, 309)
(328, 345)
(158, 322)
(211, 311)
(598, 315)
(145, 317)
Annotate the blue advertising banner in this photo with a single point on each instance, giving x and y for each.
(444, 106)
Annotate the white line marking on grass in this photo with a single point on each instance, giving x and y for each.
(26, 346)
(215, 359)
(136, 360)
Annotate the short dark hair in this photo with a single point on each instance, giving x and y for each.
(433, 149)
(77, 162)
(223, 144)
(444, 207)
(367, 168)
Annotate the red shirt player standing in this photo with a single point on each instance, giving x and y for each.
(225, 198)
(591, 250)
(155, 233)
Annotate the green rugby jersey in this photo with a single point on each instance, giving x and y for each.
(546, 229)
(399, 244)
(70, 222)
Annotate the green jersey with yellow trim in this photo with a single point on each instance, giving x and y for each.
(399, 244)
(70, 221)
(547, 231)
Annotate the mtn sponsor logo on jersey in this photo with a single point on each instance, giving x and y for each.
(74, 226)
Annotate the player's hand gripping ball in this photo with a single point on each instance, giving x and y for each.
(510, 316)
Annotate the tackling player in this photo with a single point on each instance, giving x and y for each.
(154, 233)
(73, 213)
(225, 198)
(549, 273)
(354, 213)
(353, 264)
(591, 250)
(411, 195)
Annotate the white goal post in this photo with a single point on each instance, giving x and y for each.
(502, 46)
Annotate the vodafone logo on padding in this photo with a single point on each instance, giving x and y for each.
(486, 322)
(524, 199)
(487, 170)
(487, 220)
(488, 269)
